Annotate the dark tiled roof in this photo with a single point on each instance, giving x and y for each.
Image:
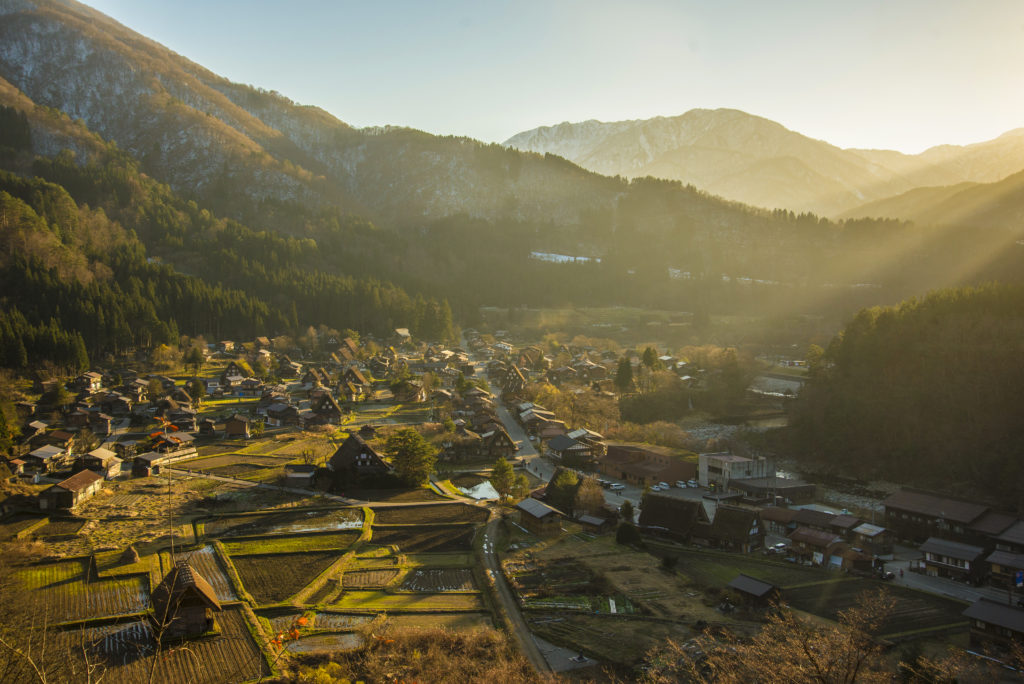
(181, 579)
(996, 613)
(951, 549)
(671, 513)
(748, 585)
(1006, 559)
(1014, 534)
(538, 509)
(778, 514)
(813, 537)
(845, 522)
(811, 517)
(936, 506)
(993, 523)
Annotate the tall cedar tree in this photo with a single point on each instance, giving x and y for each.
(624, 375)
(413, 457)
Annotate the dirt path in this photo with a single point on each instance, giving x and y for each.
(508, 602)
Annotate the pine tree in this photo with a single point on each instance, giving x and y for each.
(624, 375)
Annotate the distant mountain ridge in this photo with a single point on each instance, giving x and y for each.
(757, 161)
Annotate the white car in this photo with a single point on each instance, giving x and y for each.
(681, 484)
(617, 487)
(663, 485)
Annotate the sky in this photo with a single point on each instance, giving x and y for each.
(893, 74)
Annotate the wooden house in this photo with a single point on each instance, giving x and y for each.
(916, 515)
(356, 457)
(102, 461)
(539, 518)
(184, 604)
(995, 626)
(753, 591)
(45, 458)
(71, 492)
(237, 426)
(955, 560)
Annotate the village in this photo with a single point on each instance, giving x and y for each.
(259, 516)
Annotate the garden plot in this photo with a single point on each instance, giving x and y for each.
(409, 602)
(64, 595)
(271, 578)
(398, 495)
(330, 622)
(325, 643)
(59, 528)
(284, 522)
(245, 546)
(127, 649)
(435, 538)
(912, 611)
(452, 621)
(608, 638)
(439, 579)
(208, 565)
(223, 460)
(425, 515)
(368, 579)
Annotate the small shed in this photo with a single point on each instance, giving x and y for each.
(299, 475)
(237, 426)
(754, 591)
(595, 525)
(539, 518)
(183, 604)
(77, 489)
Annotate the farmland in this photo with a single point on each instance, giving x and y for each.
(63, 593)
(128, 648)
(271, 578)
(368, 579)
(439, 579)
(284, 522)
(420, 539)
(336, 541)
(912, 611)
(378, 601)
(425, 515)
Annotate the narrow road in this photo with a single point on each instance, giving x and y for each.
(508, 602)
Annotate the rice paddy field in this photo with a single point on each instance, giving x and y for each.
(272, 578)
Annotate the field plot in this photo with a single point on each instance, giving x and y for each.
(234, 458)
(64, 595)
(284, 522)
(436, 538)
(368, 579)
(424, 515)
(912, 611)
(331, 622)
(613, 639)
(378, 601)
(716, 569)
(439, 579)
(273, 578)
(439, 560)
(398, 495)
(208, 565)
(325, 643)
(232, 656)
(452, 621)
(19, 523)
(336, 541)
(59, 528)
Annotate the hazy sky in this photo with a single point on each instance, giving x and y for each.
(901, 74)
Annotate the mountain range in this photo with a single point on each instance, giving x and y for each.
(756, 161)
(383, 215)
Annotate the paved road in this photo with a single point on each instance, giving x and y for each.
(520, 630)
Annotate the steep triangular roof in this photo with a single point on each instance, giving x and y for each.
(181, 581)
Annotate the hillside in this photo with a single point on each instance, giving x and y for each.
(370, 228)
(925, 392)
(759, 162)
(984, 205)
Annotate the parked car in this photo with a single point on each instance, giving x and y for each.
(655, 488)
(617, 487)
(693, 483)
(663, 485)
(681, 484)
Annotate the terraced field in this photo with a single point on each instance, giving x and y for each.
(284, 522)
(427, 515)
(273, 578)
(425, 539)
(368, 579)
(232, 656)
(336, 541)
(64, 595)
(439, 579)
(378, 601)
(912, 611)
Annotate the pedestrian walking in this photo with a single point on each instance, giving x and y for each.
(901, 573)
